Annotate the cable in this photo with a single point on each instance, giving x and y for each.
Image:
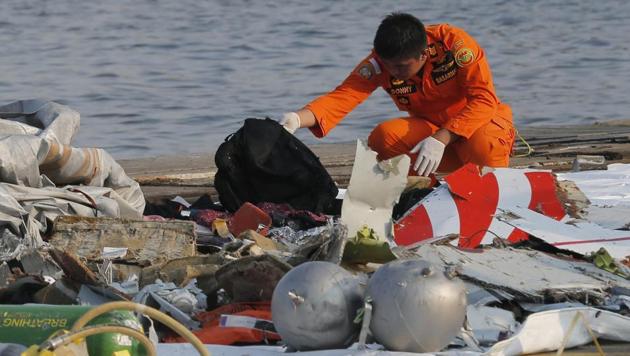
(143, 309)
(66, 339)
(572, 326)
(530, 150)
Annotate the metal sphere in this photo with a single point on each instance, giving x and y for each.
(416, 307)
(314, 305)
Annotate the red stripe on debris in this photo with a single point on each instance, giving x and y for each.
(415, 227)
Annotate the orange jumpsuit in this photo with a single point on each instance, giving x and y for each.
(453, 90)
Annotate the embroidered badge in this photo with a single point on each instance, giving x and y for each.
(365, 72)
(444, 70)
(464, 56)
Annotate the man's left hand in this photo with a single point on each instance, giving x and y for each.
(430, 152)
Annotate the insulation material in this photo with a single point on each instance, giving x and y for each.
(571, 324)
(19, 159)
(46, 119)
(91, 166)
(35, 155)
(42, 146)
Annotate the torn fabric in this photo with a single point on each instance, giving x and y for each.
(556, 325)
(35, 154)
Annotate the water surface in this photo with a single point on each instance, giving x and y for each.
(154, 77)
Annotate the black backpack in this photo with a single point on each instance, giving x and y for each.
(262, 162)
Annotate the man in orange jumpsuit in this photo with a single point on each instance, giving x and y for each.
(440, 76)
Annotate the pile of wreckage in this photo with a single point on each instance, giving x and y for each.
(504, 261)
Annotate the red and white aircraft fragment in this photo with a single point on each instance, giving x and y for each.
(507, 203)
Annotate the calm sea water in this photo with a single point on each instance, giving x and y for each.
(170, 77)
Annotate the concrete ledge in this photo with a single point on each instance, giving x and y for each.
(555, 148)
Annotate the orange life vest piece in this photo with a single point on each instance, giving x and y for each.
(212, 332)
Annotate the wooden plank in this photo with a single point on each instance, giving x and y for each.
(148, 242)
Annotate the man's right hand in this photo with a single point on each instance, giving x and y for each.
(290, 121)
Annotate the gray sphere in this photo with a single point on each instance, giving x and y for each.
(314, 305)
(416, 307)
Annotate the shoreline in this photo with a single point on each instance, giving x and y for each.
(555, 148)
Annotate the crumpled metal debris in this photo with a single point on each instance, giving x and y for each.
(180, 303)
(327, 245)
(527, 275)
(295, 238)
(490, 324)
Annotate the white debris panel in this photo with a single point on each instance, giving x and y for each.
(373, 191)
(579, 236)
(547, 331)
(608, 192)
(525, 274)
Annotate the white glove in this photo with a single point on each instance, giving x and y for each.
(430, 152)
(290, 121)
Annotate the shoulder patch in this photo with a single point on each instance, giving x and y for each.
(464, 56)
(365, 71)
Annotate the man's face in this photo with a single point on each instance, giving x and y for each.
(404, 69)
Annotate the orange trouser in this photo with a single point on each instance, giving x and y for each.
(489, 146)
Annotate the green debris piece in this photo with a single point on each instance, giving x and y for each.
(358, 319)
(602, 259)
(367, 247)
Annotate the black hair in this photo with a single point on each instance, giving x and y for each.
(400, 36)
